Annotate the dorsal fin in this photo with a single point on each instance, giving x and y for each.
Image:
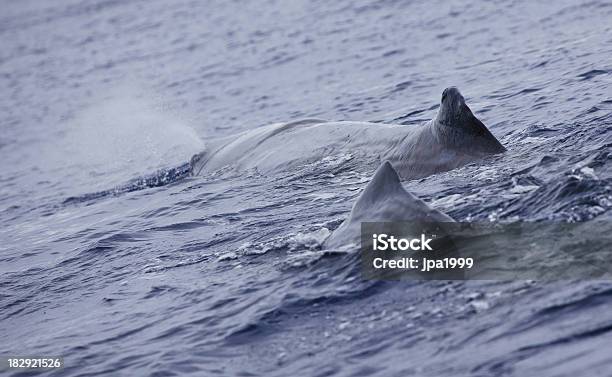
(458, 127)
(385, 181)
(384, 199)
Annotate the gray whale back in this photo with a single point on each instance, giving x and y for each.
(384, 199)
(452, 139)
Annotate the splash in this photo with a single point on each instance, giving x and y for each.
(122, 138)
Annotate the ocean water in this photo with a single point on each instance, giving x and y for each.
(114, 257)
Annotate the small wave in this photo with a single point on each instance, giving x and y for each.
(578, 195)
(593, 73)
(292, 243)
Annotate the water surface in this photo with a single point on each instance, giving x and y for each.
(127, 269)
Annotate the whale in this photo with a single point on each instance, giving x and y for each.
(385, 211)
(383, 199)
(453, 138)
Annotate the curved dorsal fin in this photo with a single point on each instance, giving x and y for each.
(384, 199)
(384, 181)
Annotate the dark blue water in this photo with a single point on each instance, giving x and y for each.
(112, 256)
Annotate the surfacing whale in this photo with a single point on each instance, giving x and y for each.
(384, 199)
(453, 138)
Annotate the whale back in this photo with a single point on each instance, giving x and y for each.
(230, 149)
(384, 199)
(454, 138)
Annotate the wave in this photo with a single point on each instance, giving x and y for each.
(160, 178)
